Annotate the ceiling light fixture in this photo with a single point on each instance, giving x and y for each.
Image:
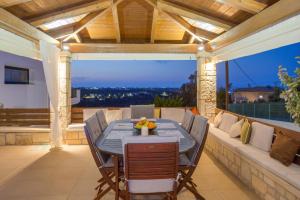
(201, 47)
(66, 47)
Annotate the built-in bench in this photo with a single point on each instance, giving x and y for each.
(24, 135)
(268, 177)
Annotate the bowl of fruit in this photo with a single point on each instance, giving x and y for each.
(143, 122)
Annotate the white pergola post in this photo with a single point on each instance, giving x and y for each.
(206, 85)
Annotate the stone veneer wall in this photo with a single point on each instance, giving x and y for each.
(206, 87)
(28, 137)
(266, 184)
(74, 136)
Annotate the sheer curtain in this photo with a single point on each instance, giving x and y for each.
(50, 57)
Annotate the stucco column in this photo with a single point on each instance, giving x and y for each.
(206, 85)
(64, 91)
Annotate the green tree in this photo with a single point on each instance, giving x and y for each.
(291, 93)
(188, 91)
(168, 102)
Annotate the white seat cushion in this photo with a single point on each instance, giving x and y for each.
(232, 143)
(227, 121)
(175, 114)
(290, 174)
(261, 136)
(151, 186)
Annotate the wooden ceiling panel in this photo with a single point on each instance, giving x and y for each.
(167, 29)
(35, 8)
(216, 9)
(135, 19)
(102, 28)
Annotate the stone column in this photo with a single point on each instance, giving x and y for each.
(64, 91)
(206, 85)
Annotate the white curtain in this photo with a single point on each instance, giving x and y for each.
(50, 57)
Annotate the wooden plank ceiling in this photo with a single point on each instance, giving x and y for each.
(135, 21)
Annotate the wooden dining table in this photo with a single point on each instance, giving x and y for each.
(110, 141)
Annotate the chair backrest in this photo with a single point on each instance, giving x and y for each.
(187, 120)
(175, 114)
(101, 119)
(150, 158)
(199, 133)
(96, 155)
(138, 111)
(93, 127)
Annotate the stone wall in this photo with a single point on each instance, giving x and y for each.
(74, 136)
(265, 184)
(25, 137)
(206, 87)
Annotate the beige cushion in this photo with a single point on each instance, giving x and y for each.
(236, 129)
(175, 114)
(126, 113)
(261, 136)
(151, 186)
(227, 121)
(218, 119)
(113, 115)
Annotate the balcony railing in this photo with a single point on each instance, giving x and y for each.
(273, 111)
(24, 116)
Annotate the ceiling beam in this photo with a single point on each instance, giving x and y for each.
(131, 48)
(116, 21)
(198, 34)
(276, 13)
(70, 12)
(77, 38)
(250, 6)
(17, 26)
(8, 3)
(191, 40)
(61, 32)
(192, 14)
(90, 18)
(153, 27)
(84, 22)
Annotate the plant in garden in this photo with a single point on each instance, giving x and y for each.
(291, 94)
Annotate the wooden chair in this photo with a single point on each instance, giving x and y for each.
(187, 121)
(189, 161)
(138, 111)
(151, 165)
(107, 165)
(102, 119)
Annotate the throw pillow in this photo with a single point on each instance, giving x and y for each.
(195, 111)
(218, 119)
(227, 121)
(245, 132)
(261, 136)
(284, 149)
(236, 129)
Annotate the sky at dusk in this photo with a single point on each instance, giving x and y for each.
(131, 73)
(259, 69)
(255, 70)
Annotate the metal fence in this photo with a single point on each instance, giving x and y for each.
(273, 111)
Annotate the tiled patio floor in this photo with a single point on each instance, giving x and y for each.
(34, 173)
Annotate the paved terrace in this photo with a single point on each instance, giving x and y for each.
(35, 173)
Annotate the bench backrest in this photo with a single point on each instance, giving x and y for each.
(277, 129)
